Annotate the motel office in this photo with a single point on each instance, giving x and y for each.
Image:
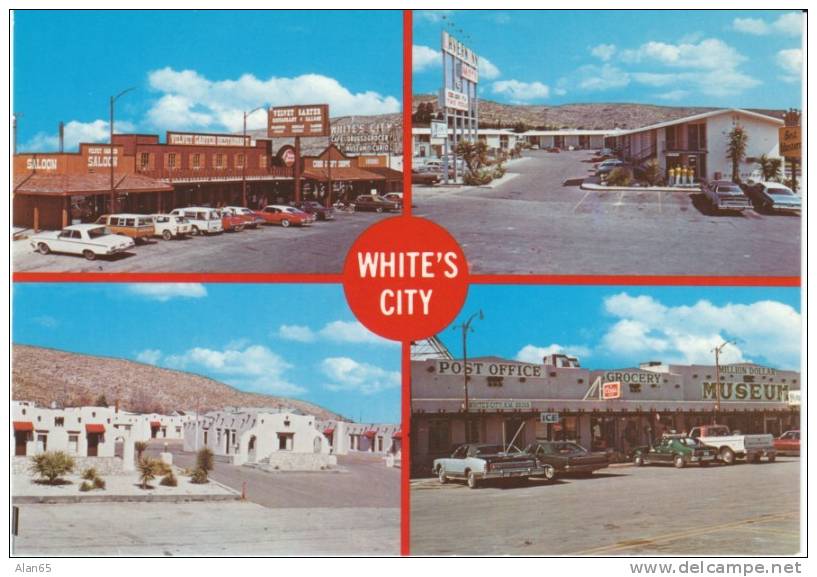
(698, 142)
(559, 400)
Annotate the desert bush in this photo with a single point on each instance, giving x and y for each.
(85, 487)
(478, 178)
(99, 483)
(652, 172)
(51, 465)
(199, 477)
(204, 459)
(147, 471)
(620, 177)
(169, 480)
(499, 171)
(162, 468)
(89, 474)
(139, 447)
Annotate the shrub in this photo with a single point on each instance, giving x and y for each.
(620, 177)
(89, 474)
(169, 480)
(199, 477)
(85, 487)
(139, 447)
(204, 459)
(499, 171)
(478, 178)
(51, 465)
(652, 172)
(99, 483)
(162, 468)
(147, 471)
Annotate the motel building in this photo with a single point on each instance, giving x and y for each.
(54, 190)
(698, 142)
(559, 400)
(348, 437)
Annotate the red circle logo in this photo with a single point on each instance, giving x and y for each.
(405, 278)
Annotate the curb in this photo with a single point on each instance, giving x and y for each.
(594, 186)
(72, 499)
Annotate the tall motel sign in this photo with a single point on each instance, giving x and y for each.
(458, 96)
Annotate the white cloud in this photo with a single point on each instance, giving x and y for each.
(189, 100)
(46, 321)
(789, 24)
(298, 333)
(535, 354)
(165, 291)
(247, 367)
(708, 54)
(352, 332)
(603, 77)
(791, 62)
(149, 356)
(349, 375)
(603, 52)
(432, 15)
(74, 133)
(673, 95)
(423, 57)
(521, 91)
(487, 69)
(648, 329)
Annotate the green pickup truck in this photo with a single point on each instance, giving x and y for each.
(679, 450)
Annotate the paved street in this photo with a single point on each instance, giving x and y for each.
(320, 248)
(364, 482)
(213, 529)
(655, 510)
(541, 222)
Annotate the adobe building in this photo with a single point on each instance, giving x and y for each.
(346, 437)
(559, 400)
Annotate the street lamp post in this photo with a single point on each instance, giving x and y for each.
(244, 148)
(111, 156)
(466, 328)
(717, 350)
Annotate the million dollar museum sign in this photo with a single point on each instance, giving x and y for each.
(739, 383)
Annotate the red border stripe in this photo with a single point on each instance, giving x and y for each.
(177, 277)
(690, 280)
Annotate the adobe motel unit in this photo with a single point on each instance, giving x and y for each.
(559, 400)
(698, 141)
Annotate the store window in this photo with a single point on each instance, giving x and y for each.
(514, 432)
(569, 430)
(195, 161)
(220, 161)
(472, 431)
(59, 421)
(239, 161)
(145, 161)
(439, 436)
(170, 161)
(262, 161)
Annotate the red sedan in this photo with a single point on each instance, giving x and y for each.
(232, 222)
(788, 443)
(285, 215)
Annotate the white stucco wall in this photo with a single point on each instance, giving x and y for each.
(763, 139)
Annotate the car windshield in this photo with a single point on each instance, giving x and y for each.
(488, 450)
(729, 189)
(780, 191)
(690, 442)
(97, 232)
(568, 448)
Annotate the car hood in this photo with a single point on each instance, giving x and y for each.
(785, 199)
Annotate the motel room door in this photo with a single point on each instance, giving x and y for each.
(93, 444)
(20, 440)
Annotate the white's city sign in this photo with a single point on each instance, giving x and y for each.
(459, 50)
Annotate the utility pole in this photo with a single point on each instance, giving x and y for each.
(466, 328)
(14, 118)
(111, 157)
(244, 151)
(717, 350)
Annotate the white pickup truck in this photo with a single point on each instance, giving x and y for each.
(735, 446)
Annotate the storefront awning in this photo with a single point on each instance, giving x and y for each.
(155, 424)
(328, 430)
(370, 434)
(23, 426)
(397, 435)
(94, 428)
(534, 406)
(36, 184)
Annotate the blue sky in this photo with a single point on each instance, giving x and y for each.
(196, 70)
(617, 327)
(698, 58)
(291, 340)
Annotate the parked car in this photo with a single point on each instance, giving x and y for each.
(679, 450)
(604, 154)
(139, 227)
(168, 226)
(567, 457)
(477, 463)
(426, 178)
(609, 165)
(725, 195)
(395, 197)
(203, 220)
(733, 446)
(315, 208)
(374, 202)
(788, 443)
(285, 215)
(250, 218)
(89, 240)
(773, 196)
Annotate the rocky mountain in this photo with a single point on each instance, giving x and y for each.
(70, 379)
(595, 116)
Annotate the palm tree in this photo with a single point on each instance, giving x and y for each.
(474, 154)
(770, 167)
(738, 140)
(140, 447)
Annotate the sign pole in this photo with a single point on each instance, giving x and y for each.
(297, 169)
(328, 201)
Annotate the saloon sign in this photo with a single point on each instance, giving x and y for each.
(100, 156)
(302, 120)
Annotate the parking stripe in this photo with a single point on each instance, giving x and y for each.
(631, 543)
(586, 194)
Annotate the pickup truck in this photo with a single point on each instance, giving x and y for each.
(735, 446)
(476, 463)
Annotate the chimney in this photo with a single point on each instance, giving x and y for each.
(62, 136)
(116, 407)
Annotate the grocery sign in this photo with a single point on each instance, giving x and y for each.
(302, 120)
(611, 390)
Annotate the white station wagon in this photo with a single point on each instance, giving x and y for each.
(203, 220)
(169, 225)
(89, 240)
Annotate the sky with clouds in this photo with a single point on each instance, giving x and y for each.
(196, 70)
(291, 340)
(611, 327)
(749, 59)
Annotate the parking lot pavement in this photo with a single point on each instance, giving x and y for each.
(365, 481)
(542, 222)
(213, 529)
(320, 248)
(656, 510)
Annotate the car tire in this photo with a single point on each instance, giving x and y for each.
(550, 473)
(771, 458)
(639, 461)
(43, 248)
(238, 228)
(473, 482)
(728, 456)
(89, 254)
(379, 209)
(195, 231)
(679, 462)
(441, 476)
(167, 235)
(704, 463)
(285, 223)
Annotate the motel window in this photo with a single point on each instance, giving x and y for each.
(40, 418)
(285, 441)
(73, 444)
(670, 134)
(43, 438)
(262, 161)
(59, 421)
(195, 161)
(439, 436)
(239, 161)
(495, 381)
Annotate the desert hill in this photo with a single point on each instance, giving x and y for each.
(70, 379)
